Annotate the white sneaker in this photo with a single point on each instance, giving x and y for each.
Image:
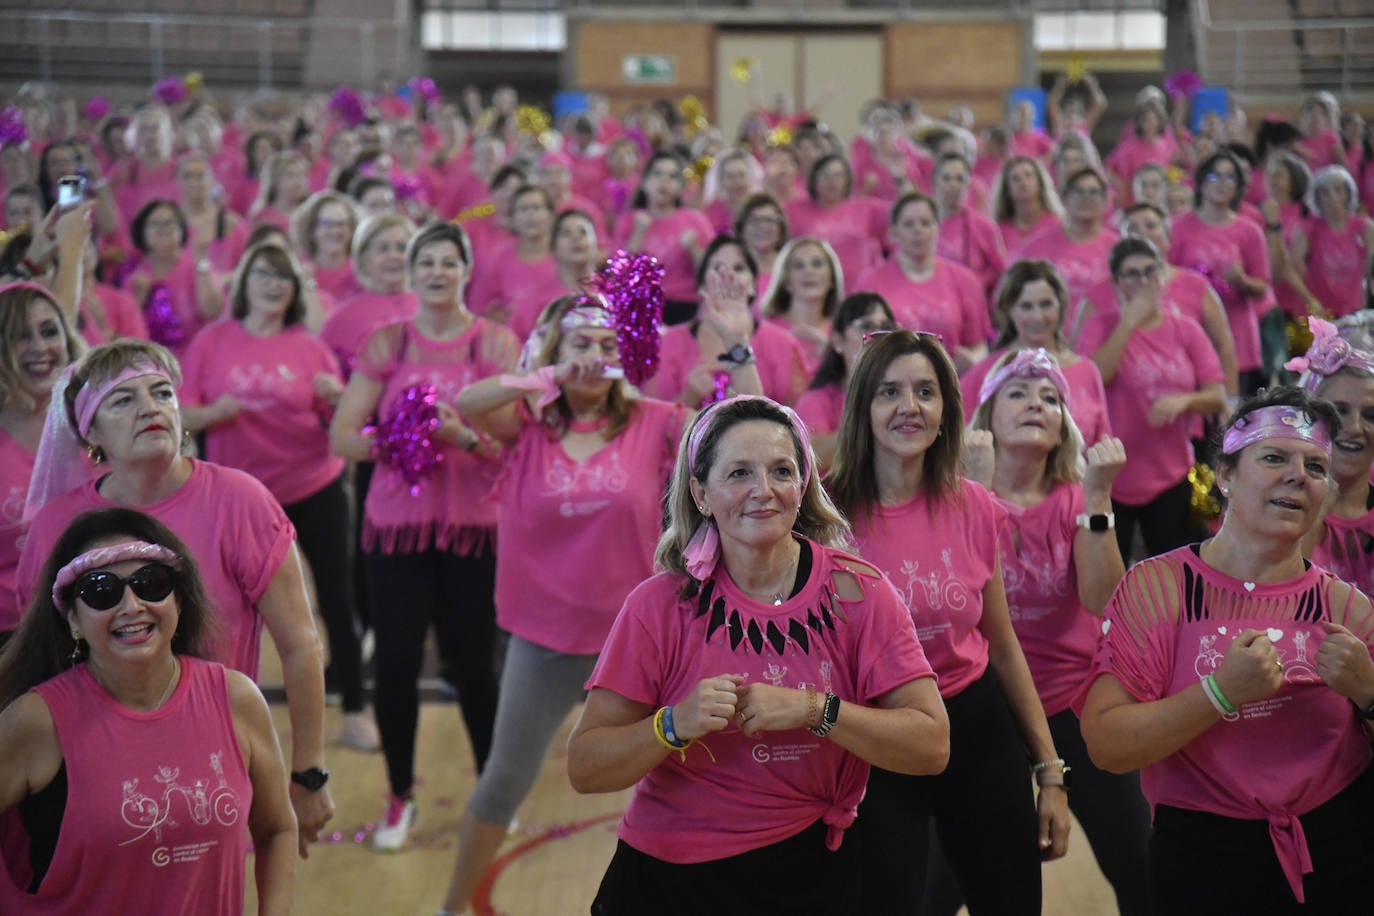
(359, 733)
(394, 829)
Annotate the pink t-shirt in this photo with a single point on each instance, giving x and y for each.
(16, 467)
(1083, 265)
(1276, 758)
(449, 509)
(1013, 237)
(1322, 149)
(822, 408)
(811, 353)
(1058, 636)
(1290, 218)
(663, 240)
(1344, 549)
(1033, 143)
(340, 282)
(136, 184)
(1134, 152)
(1336, 263)
(971, 239)
(557, 515)
(281, 434)
(950, 303)
(857, 217)
(355, 319)
(236, 532)
(156, 799)
(525, 287)
(781, 363)
(120, 316)
(1184, 295)
(1087, 398)
(753, 792)
(1209, 250)
(941, 579)
(1172, 358)
(181, 285)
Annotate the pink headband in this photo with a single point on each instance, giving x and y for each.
(586, 316)
(108, 556)
(30, 285)
(89, 398)
(703, 551)
(1328, 354)
(1278, 422)
(1026, 364)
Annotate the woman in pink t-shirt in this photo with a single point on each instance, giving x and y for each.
(179, 292)
(821, 405)
(852, 223)
(729, 182)
(322, 231)
(428, 527)
(211, 227)
(36, 345)
(1160, 371)
(1231, 253)
(149, 173)
(1333, 253)
(967, 237)
(1024, 201)
(1343, 375)
(757, 629)
(802, 295)
(934, 535)
(285, 186)
(725, 350)
(1031, 302)
(1287, 180)
(587, 465)
(525, 273)
(1237, 677)
(126, 759)
(762, 227)
(1060, 563)
(120, 408)
(928, 292)
(264, 389)
(379, 262)
(1150, 140)
(659, 224)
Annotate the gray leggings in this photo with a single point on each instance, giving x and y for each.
(538, 687)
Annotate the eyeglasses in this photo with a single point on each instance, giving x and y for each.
(1137, 275)
(101, 590)
(1087, 193)
(763, 221)
(269, 276)
(1220, 177)
(871, 336)
(869, 329)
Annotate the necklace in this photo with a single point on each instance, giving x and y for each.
(171, 682)
(776, 598)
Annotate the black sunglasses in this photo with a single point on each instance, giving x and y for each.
(102, 590)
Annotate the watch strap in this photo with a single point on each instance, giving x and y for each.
(830, 711)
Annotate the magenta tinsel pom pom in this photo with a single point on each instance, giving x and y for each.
(1224, 289)
(97, 107)
(164, 324)
(720, 387)
(632, 285)
(405, 436)
(347, 106)
(170, 90)
(13, 130)
(425, 88)
(1183, 84)
(408, 187)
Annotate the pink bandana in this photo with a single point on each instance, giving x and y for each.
(1328, 354)
(1278, 422)
(1026, 364)
(108, 556)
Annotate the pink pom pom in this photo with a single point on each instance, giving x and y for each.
(405, 437)
(426, 88)
(1183, 84)
(13, 130)
(632, 285)
(408, 187)
(346, 105)
(97, 107)
(164, 324)
(170, 90)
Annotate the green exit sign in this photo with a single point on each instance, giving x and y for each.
(659, 69)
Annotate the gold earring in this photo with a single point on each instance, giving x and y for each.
(95, 453)
(76, 649)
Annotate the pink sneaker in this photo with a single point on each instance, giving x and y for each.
(397, 819)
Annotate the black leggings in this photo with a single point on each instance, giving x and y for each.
(1113, 814)
(411, 591)
(321, 521)
(1164, 522)
(1202, 864)
(984, 815)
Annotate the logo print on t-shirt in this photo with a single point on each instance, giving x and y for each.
(937, 591)
(202, 800)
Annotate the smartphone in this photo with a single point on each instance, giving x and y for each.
(71, 190)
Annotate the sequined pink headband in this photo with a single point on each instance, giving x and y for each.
(1328, 354)
(1278, 422)
(108, 556)
(591, 315)
(1026, 364)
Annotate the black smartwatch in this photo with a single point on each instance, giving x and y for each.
(738, 355)
(313, 778)
(1098, 523)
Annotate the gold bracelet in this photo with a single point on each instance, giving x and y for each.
(813, 718)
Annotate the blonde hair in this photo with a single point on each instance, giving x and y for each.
(1064, 463)
(14, 320)
(106, 361)
(367, 233)
(777, 300)
(817, 517)
(304, 218)
(620, 401)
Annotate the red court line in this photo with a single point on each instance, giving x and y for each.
(481, 900)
